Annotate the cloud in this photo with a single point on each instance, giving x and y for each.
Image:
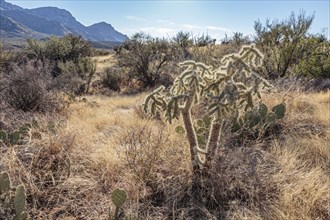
(219, 29)
(159, 31)
(189, 26)
(165, 22)
(166, 28)
(211, 28)
(136, 18)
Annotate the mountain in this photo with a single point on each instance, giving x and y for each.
(65, 18)
(36, 23)
(14, 29)
(51, 21)
(8, 6)
(101, 30)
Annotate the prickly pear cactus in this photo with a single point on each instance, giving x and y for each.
(3, 136)
(259, 116)
(279, 110)
(20, 203)
(10, 201)
(25, 129)
(118, 197)
(14, 137)
(5, 183)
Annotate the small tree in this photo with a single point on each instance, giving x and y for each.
(315, 60)
(229, 90)
(238, 38)
(145, 58)
(281, 42)
(183, 41)
(204, 40)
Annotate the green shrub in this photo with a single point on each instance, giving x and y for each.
(315, 60)
(212, 55)
(145, 58)
(112, 79)
(204, 40)
(182, 41)
(237, 39)
(69, 48)
(281, 43)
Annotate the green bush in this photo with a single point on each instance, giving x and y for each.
(315, 60)
(182, 41)
(145, 58)
(69, 48)
(71, 65)
(238, 39)
(204, 40)
(112, 79)
(281, 43)
(83, 70)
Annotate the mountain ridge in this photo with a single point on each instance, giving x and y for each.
(51, 21)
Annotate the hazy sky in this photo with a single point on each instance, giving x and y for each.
(165, 18)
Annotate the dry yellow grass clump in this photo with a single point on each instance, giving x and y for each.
(106, 142)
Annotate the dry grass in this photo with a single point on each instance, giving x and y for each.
(106, 143)
(104, 61)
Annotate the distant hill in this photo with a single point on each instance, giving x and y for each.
(17, 22)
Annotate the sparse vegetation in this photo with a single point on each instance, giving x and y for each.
(146, 58)
(76, 144)
(281, 42)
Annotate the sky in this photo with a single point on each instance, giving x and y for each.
(164, 18)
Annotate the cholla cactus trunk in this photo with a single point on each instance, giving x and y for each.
(212, 143)
(191, 134)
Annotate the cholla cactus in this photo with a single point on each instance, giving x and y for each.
(230, 90)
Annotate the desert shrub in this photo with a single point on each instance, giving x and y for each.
(204, 40)
(238, 38)
(142, 148)
(145, 58)
(102, 52)
(241, 177)
(4, 58)
(83, 70)
(182, 41)
(51, 165)
(315, 60)
(66, 48)
(112, 79)
(28, 87)
(281, 42)
(59, 50)
(212, 55)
